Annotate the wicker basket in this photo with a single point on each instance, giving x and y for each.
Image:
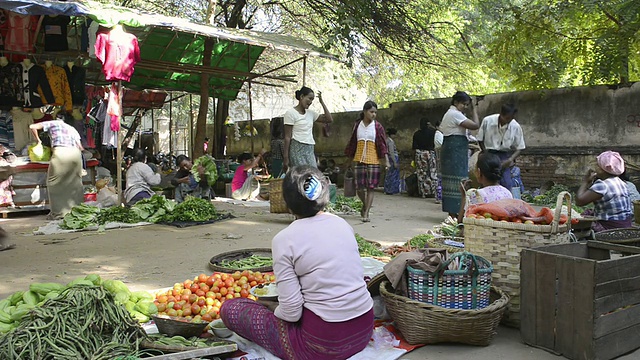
(624, 236)
(422, 323)
(215, 261)
(276, 200)
(466, 288)
(438, 243)
(501, 243)
(173, 327)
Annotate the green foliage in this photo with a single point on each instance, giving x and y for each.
(366, 248)
(210, 169)
(193, 209)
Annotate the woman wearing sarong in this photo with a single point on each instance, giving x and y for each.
(298, 130)
(368, 148)
(392, 177)
(455, 150)
(425, 158)
(64, 176)
(324, 310)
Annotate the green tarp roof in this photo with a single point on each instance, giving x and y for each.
(171, 48)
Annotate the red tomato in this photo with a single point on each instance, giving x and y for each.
(211, 293)
(175, 292)
(204, 287)
(186, 292)
(210, 281)
(203, 302)
(187, 283)
(171, 299)
(177, 306)
(223, 291)
(253, 283)
(202, 278)
(186, 311)
(162, 299)
(193, 298)
(194, 287)
(200, 293)
(172, 312)
(229, 282)
(162, 307)
(195, 309)
(207, 317)
(186, 297)
(236, 275)
(244, 293)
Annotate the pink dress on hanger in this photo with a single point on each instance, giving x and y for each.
(118, 52)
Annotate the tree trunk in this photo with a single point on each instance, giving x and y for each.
(201, 124)
(220, 129)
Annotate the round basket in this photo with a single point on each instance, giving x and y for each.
(374, 284)
(624, 236)
(214, 263)
(422, 323)
(172, 327)
(276, 200)
(438, 243)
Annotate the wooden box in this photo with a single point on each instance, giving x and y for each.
(580, 300)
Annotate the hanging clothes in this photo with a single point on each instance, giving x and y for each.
(114, 109)
(57, 78)
(118, 52)
(76, 77)
(35, 87)
(20, 34)
(6, 129)
(55, 32)
(10, 79)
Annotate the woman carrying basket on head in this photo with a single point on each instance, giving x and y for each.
(298, 129)
(314, 318)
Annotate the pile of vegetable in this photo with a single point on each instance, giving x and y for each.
(345, 205)
(200, 299)
(449, 227)
(251, 262)
(550, 198)
(210, 169)
(156, 209)
(139, 303)
(193, 209)
(367, 248)
(177, 341)
(82, 322)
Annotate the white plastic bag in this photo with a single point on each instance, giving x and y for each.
(107, 197)
(383, 338)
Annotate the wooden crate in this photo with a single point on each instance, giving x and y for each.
(580, 301)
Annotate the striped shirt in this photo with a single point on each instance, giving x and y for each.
(61, 133)
(615, 203)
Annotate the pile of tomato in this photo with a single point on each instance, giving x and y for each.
(202, 297)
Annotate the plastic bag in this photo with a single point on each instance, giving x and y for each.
(107, 197)
(383, 338)
(39, 152)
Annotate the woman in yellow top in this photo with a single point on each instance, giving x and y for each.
(367, 147)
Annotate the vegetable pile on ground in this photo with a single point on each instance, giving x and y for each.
(250, 262)
(367, 248)
(345, 205)
(139, 303)
(156, 209)
(82, 322)
(178, 341)
(200, 299)
(210, 169)
(416, 242)
(193, 209)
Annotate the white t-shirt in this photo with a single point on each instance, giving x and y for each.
(302, 124)
(438, 139)
(451, 122)
(501, 138)
(317, 266)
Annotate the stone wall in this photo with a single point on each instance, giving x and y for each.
(564, 129)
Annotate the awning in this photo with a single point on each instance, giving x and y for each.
(172, 48)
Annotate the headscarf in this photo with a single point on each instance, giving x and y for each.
(611, 162)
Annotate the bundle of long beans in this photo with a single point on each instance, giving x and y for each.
(84, 322)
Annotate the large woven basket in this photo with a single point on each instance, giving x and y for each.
(215, 262)
(422, 323)
(501, 243)
(276, 200)
(438, 243)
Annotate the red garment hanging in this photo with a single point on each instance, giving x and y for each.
(118, 52)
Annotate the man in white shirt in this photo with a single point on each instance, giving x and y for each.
(502, 135)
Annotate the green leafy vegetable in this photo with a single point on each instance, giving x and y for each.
(117, 214)
(345, 204)
(154, 209)
(418, 241)
(193, 209)
(80, 217)
(367, 248)
(210, 169)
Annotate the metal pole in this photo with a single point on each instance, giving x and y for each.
(250, 117)
(119, 152)
(191, 142)
(171, 123)
(304, 71)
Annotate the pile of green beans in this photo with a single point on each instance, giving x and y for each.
(84, 322)
(251, 262)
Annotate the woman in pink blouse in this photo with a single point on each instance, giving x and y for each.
(324, 309)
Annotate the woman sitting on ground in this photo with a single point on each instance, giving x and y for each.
(140, 178)
(324, 310)
(245, 186)
(607, 192)
(488, 173)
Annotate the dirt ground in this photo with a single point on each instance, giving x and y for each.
(157, 256)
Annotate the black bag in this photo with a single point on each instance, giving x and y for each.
(412, 185)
